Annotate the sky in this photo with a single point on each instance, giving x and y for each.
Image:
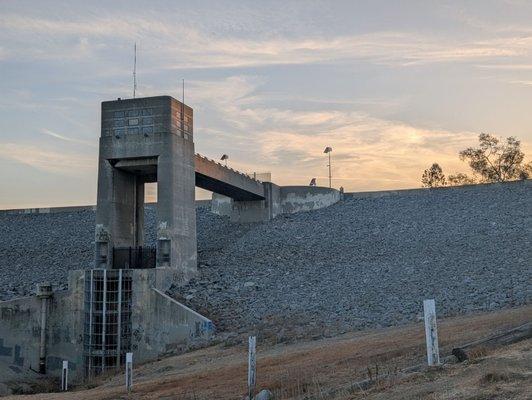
(391, 86)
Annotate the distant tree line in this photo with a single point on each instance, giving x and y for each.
(494, 160)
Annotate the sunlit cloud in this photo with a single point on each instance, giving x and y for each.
(369, 152)
(53, 161)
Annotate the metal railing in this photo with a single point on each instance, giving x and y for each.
(134, 257)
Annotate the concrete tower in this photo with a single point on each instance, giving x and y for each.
(146, 140)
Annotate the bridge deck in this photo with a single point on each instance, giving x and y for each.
(213, 176)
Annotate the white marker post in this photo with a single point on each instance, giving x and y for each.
(129, 371)
(252, 366)
(64, 377)
(431, 333)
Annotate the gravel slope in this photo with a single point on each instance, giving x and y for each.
(362, 262)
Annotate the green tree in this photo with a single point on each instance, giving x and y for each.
(433, 177)
(495, 160)
(460, 179)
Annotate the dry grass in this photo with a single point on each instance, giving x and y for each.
(310, 370)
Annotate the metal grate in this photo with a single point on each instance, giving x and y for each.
(107, 325)
(134, 257)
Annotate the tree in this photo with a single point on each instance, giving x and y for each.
(495, 160)
(433, 177)
(460, 179)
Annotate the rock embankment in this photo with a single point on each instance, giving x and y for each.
(364, 262)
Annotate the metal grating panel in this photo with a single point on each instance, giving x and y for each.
(107, 326)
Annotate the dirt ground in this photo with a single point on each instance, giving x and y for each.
(316, 369)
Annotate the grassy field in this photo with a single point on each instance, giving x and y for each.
(320, 369)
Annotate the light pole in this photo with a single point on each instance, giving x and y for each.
(328, 151)
(224, 158)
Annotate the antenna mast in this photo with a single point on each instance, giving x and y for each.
(135, 71)
(183, 106)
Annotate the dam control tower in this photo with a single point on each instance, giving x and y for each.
(146, 140)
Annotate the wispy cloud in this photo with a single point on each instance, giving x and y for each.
(186, 46)
(53, 161)
(66, 138)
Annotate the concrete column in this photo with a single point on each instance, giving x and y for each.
(139, 212)
(44, 292)
(120, 212)
(176, 210)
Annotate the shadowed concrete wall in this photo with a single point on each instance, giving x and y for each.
(159, 323)
(20, 327)
(20, 333)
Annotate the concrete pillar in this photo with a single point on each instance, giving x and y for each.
(258, 210)
(176, 209)
(139, 211)
(44, 292)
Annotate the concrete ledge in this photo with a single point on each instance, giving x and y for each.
(53, 210)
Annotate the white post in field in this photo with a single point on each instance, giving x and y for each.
(252, 366)
(64, 377)
(431, 333)
(129, 371)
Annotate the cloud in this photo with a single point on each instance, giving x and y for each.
(184, 45)
(52, 161)
(368, 152)
(66, 138)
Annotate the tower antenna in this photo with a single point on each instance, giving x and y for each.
(135, 70)
(183, 105)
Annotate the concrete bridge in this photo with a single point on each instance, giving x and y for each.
(151, 140)
(217, 178)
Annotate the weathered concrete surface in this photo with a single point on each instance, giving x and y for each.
(147, 140)
(19, 333)
(221, 205)
(279, 200)
(20, 326)
(262, 210)
(306, 198)
(161, 324)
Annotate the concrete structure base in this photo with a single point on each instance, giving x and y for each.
(278, 200)
(159, 324)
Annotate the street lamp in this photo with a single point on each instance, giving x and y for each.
(328, 151)
(224, 158)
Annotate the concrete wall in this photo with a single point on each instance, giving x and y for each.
(65, 328)
(53, 210)
(159, 323)
(20, 327)
(261, 210)
(20, 333)
(279, 200)
(306, 198)
(221, 205)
